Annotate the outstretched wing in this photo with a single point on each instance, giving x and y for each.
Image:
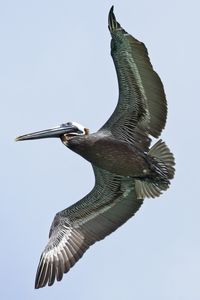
(110, 204)
(142, 106)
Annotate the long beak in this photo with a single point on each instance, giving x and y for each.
(54, 132)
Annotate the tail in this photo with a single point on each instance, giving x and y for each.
(164, 168)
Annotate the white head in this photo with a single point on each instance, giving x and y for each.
(78, 130)
(81, 130)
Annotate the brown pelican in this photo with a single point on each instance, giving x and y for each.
(126, 169)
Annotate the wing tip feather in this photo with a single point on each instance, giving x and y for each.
(112, 22)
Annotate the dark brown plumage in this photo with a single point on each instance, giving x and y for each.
(126, 169)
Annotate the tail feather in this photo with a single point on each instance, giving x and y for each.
(164, 168)
(162, 154)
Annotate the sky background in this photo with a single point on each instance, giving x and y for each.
(55, 66)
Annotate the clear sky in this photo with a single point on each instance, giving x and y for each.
(56, 67)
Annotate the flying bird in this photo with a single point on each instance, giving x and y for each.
(126, 169)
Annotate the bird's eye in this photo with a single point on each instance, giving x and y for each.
(66, 124)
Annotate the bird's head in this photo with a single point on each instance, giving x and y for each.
(65, 132)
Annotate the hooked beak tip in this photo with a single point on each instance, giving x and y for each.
(17, 139)
(21, 138)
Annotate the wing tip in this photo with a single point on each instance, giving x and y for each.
(37, 278)
(37, 286)
(112, 22)
(112, 9)
(38, 283)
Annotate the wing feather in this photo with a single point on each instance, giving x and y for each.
(142, 106)
(110, 204)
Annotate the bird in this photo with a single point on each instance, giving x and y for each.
(126, 169)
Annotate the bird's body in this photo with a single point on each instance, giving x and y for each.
(113, 155)
(110, 154)
(126, 169)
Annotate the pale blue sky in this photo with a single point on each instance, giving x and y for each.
(56, 67)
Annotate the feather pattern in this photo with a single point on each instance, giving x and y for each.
(142, 106)
(110, 204)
